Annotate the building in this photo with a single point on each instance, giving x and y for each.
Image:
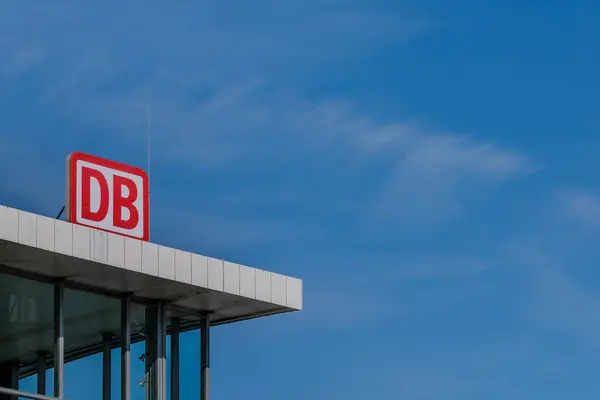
(68, 291)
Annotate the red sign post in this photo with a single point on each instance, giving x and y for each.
(107, 195)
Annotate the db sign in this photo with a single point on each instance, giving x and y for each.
(107, 195)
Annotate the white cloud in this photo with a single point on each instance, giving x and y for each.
(205, 41)
(580, 206)
(212, 76)
(22, 60)
(557, 257)
(562, 304)
(349, 290)
(400, 171)
(399, 367)
(444, 267)
(413, 175)
(429, 181)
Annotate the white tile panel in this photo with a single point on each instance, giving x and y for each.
(199, 270)
(247, 282)
(150, 258)
(133, 254)
(170, 264)
(215, 274)
(81, 242)
(27, 229)
(263, 285)
(166, 262)
(278, 289)
(45, 233)
(63, 237)
(294, 293)
(116, 250)
(231, 278)
(183, 266)
(98, 246)
(9, 224)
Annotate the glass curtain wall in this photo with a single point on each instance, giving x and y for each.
(92, 329)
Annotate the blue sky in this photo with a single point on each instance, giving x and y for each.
(428, 168)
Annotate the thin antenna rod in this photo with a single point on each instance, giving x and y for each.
(148, 125)
(148, 172)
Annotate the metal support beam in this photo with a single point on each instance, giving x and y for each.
(41, 372)
(125, 349)
(162, 351)
(145, 382)
(205, 358)
(18, 394)
(150, 359)
(155, 354)
(175, 329)
(59, 342)
(106, 365)
(156, 364)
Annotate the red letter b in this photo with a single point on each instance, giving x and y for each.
(120, 202)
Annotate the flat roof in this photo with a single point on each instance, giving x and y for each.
(48, 249)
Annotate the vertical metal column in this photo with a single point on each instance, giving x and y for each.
(175, 329)
(205, 358)
(125, 349)
(162, 351)
(41, 373)
(156, 356)
(59, 342)
(106, 365)
(156, 363)
(152, 361)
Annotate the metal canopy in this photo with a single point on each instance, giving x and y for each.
(190, 285)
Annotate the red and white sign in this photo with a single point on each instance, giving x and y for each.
(107, 195)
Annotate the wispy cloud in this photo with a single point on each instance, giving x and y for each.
(204, 40)
(437, 171)
(401, 171)
(556, 258)
(495, 367)
(21, 60)
(562, 304)
(357, 291)
(220, 109)
(580, 206)
(212, 76)
(221, 112)
(446, 267)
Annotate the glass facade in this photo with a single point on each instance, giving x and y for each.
(93, 326)
(26, 319)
